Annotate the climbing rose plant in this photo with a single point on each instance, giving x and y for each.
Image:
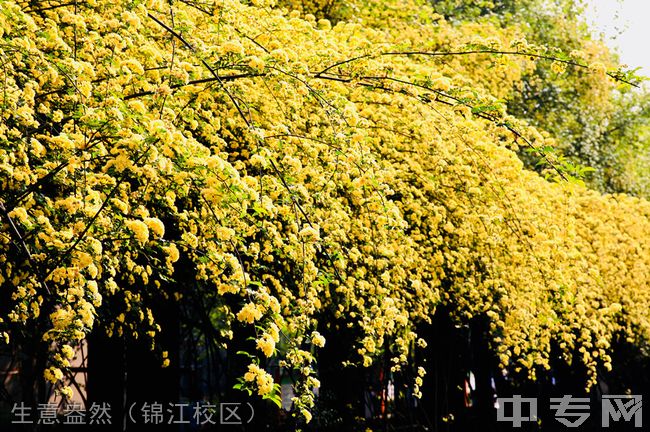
(303, 173)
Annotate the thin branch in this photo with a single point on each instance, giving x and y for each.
(90, 224)
(15, 232)
(214, 72)
(197, 81)
(470, 52)
(43, 9)
(16, 200)
(458, 101)
(304, 214)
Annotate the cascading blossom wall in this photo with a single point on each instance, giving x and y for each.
(303, 172)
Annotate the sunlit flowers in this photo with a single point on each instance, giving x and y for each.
(262, 379)
(139, 229)
(249, 313)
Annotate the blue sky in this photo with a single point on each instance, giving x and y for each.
(624, 24)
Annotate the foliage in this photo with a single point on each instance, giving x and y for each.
(309, 175)
(606, 135)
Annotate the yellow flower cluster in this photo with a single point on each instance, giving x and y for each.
(299, 186)
(262, 379)
(156, 226)
(266, 344)
(66, 392)
(140, 230)
(67, 351)
(53, 374)
(317, 339)
(249, 313)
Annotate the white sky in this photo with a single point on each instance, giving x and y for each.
(624, 24)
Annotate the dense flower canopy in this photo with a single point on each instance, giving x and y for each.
(308, 175)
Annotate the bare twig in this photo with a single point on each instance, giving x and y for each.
(470, 52)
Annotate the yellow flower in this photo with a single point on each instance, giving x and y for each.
(20, 214)
(85, 88)
(62, 318)
(132, 19)
(442, 84)
(266, 344)
(261, 378)
(66, 392)
(309, 234)
(138, 106)
(558, 67)
(274, 331)
(172, 253)
(67, 351)
(324, 24)
(92, 271)
(86, 313)
(84, 260)
(253, 370)
(257, 64)
(264, 383)
(280, 55)
(598, 68)
(57, 116)
(369, 344)
(53, 374)
(249, 313)
(190, 239)
(317, 339)
(156, 226)
(139, 229)
(232, 47)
